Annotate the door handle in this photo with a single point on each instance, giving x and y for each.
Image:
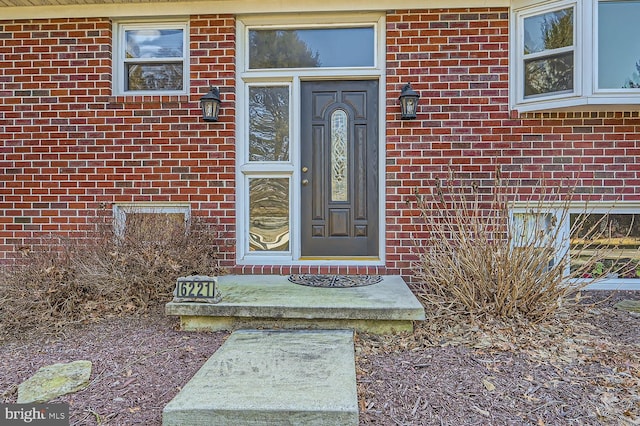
(305, 182)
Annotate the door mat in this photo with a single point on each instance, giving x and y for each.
(335, 281)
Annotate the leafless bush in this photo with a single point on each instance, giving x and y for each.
(71, 280)
(480, 258)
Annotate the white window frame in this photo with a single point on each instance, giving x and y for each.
(521, 57)
(563, 214)
(586, 93)
(291, 169)
(120, 211)
(119, 62)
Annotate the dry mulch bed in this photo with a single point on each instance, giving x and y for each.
(581, 369)
(139, 365)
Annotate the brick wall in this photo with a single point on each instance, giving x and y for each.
(70, 148)
(458, 61)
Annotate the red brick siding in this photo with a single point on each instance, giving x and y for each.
(70, 147)
(458, 60)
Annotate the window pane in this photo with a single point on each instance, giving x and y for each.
(269, 214)
(167, 219)
(532, 228)
(548, 75)
(154, 77)
(613, 238)
(306, 48)
(532, 235)
(269, 123)
(618, 47)
(147, 226)
(148, 223)
(152, 43)
(548, 31)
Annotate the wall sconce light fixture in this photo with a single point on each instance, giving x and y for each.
(210, 104)
(408, 102)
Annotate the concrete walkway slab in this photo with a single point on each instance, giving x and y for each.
(266, 377)
(271, 301)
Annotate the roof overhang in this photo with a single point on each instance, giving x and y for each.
(37, 9)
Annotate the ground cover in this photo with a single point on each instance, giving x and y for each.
(581, 367)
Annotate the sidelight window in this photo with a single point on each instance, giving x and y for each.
(269, 123)
(269, 214)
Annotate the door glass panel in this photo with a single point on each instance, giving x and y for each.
(269, 123)
(269, 214)
(311, 48)
(618, 47)
(339, 156)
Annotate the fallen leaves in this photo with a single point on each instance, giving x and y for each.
(581, 366)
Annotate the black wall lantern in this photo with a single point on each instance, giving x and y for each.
(408, 102)
(210, 104)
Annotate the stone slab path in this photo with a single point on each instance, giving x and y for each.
(273, 377)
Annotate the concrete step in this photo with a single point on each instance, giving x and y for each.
(267, 377)
(271, 301)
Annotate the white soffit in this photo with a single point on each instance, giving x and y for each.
(35, 9)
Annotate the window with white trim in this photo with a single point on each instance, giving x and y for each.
(571, 53)
(173, 214)
(607, 239)
(548, 52)
(151, 57)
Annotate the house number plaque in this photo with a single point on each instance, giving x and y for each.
(197, 288)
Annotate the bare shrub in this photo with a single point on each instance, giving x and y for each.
(77, 280)
(479, 258)
(144, 260)
(43, 290)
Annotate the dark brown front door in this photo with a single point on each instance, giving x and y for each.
(339, 160)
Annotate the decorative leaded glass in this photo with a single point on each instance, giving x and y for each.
(339, 156)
